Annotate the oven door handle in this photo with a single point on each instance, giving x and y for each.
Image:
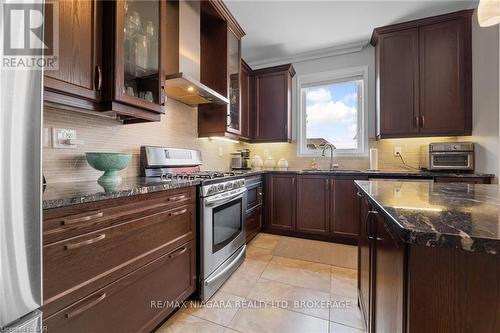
(227, 268)
(219, 201)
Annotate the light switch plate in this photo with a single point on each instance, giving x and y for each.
(60, 136)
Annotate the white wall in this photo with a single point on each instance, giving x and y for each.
(485, 85)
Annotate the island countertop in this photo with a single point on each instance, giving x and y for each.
(453, 215)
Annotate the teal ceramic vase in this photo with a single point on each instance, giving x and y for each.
(110, 163)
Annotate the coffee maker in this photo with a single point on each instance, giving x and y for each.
(240, 160)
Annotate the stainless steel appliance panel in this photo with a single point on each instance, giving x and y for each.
(20, 195)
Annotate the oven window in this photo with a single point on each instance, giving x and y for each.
(451, 160)
(252, 197)
(227, 224)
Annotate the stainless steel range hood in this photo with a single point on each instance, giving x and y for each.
(187, 90)
(183, 41)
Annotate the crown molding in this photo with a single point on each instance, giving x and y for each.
(310, 55)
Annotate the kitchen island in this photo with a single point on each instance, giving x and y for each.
(428, 256)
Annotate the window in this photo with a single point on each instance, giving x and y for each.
(332, 111)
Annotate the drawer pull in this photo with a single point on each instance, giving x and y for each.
(85, 242)
(94, 215)
(179, 212)
(177, 253)
(86, 306)
(177, 198)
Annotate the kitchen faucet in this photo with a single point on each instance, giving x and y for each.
(331, 147)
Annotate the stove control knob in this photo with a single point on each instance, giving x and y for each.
(228, 186)
(242, 182)
(220, 187)
(210, 190)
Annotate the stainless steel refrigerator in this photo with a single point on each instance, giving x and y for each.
(20, 196)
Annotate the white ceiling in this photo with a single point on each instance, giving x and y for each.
(286, 30)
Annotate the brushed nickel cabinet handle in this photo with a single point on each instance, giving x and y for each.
(99, 77)
(86, 306)
(359, 194)
(179, 212)
(177, 198)
(423, 122)
(368, 222)
(73, 246)
(93, 215)
(416, 122)
(178, 252)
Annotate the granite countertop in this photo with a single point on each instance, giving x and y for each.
(65, 194)
(452, 215)
(57, 195)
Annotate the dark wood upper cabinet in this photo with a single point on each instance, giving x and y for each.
(280, 197)
(135, 59)
(273, 103)
(313, 204)
(397, 74)
(424, 77)
(220, 69)
(80, 63)
(247, 101)
(445, 78)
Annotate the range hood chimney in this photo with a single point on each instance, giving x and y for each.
(182, 81)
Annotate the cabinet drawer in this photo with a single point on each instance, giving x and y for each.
(77, 266)
(66, 222)
(136, 302)
(253, 223)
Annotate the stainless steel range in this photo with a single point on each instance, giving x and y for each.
(222, 204)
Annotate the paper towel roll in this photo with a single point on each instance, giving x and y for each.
(373, 159)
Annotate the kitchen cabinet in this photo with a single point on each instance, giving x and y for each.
(424, 77)
(78, 79)
(220, 69)
(344, 207)
(273, 103)
(247, 101)
(318, 206)
(135, 59)
(135, 303)
(405, 287)
(111, 67)
(398, 77)
(280, 201)
(103, 248)
(313, 204)
(388, 277)
(365, 269)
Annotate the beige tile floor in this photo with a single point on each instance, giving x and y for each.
(285, 285)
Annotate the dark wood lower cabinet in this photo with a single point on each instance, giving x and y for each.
(107, 263)
(280, 195)
(137, 302)
(413, 289)
(313, 193)
(317, 206)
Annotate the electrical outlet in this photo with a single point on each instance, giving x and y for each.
(64, 138)
(397, 151)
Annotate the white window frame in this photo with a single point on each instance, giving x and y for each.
(326, 78)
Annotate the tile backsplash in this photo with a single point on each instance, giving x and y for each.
(178, 128)
(387, 161)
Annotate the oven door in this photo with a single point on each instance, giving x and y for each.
(223, 227)
(452, 161)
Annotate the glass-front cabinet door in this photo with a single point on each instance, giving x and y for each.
(234, 117)
(137, 57)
